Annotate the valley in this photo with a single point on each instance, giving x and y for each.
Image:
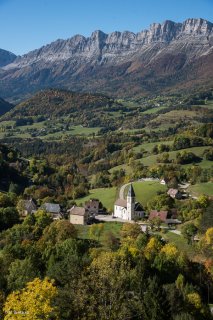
(106, 176)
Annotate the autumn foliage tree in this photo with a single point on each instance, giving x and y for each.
(35, 302)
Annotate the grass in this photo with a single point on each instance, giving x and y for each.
(106, 195)
(150, 160)
(79, 130)
(9, 123)
(208, 105)
(180, 243)
(149, 146)
(24, 131)
(146, 190)
(153, 110)
(201, 188)
(125, 167)
(114, 227)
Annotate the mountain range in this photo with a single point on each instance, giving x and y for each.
(167, 57)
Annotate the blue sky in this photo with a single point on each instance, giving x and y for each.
(28, 24)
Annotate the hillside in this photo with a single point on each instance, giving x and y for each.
(168, 57)
(5, 106)
(55, 102)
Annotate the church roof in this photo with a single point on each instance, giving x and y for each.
(138, 207)
(131, 192)
(121, 203)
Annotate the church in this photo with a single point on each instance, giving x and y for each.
(128, 209)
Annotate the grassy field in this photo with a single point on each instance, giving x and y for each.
(175, 116)
(106, 195)
(121, 166)
(208, 105)
(24, 131)
(153, 110)
(201, 188)
(149, 146)
(150, 160)
(114, 227)
(180, 243)
(146, 190)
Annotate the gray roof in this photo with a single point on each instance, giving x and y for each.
(29, 205)
(51, 207)
(131, 192)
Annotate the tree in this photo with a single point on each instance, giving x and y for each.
(181, 142)
(154, 304)
(96, 230)
(160, 202)
(8, 217)
(5, 200)
(152, 248)
(21, 272)
(157, 222)
(42, 220)
(130, 230)
(35, 302)
(209, 236)
(189, 231)
(13, 188)
(207, 218)
(203, 201)
(103, 294)
(184, 316)
(111, 241)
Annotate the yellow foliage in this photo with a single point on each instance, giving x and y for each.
(170, 251)
(128, 247)
(194, 299)
(34, 302)
(130, 231)
(209, 236)
(152, 248)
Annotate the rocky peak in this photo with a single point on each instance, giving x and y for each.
(98, 35)
(197, 26)
(128, 43)
(6, 57)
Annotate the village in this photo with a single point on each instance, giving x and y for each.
(126, 209)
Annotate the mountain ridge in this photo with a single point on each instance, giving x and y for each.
(102, 62)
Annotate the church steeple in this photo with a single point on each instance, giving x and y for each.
(130, 203)
(131, 192)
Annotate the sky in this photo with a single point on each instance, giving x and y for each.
(26, 25)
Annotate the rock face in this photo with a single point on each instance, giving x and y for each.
(165, 56)
(6, 57)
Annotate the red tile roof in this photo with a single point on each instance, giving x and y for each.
(161, 214)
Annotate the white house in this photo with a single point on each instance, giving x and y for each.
(128, 209)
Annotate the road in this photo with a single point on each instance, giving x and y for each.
(122, 189)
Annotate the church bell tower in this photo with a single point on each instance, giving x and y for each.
(130, 203)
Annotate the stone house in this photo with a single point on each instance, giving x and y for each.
(78, 215)
(54, 209)
(29, 207)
